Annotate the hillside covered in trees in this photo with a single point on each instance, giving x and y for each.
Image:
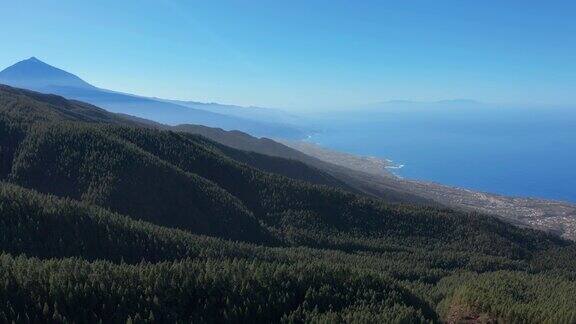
(105, 219)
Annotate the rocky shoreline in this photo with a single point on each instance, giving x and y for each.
(366, 164)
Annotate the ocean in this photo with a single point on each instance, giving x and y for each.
(528, 152)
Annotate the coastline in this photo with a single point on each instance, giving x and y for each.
(553, 216)
(367, 164)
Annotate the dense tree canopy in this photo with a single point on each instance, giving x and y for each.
(104, 220)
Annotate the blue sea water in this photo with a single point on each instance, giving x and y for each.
(518, 152)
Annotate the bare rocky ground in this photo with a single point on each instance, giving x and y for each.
(461, 314)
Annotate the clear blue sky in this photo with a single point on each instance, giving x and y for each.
(304, 54)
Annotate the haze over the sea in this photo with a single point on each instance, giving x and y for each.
(518, 151)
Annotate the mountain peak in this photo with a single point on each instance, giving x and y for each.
(33, 60)
(34, 74)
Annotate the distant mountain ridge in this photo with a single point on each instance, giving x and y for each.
(33, 74)
(252, 112)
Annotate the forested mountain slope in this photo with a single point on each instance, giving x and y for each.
(403, 282)
(359, 181)
(557, 217)
(29, 106)
(105, 220)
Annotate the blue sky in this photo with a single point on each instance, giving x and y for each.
(305, 54)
